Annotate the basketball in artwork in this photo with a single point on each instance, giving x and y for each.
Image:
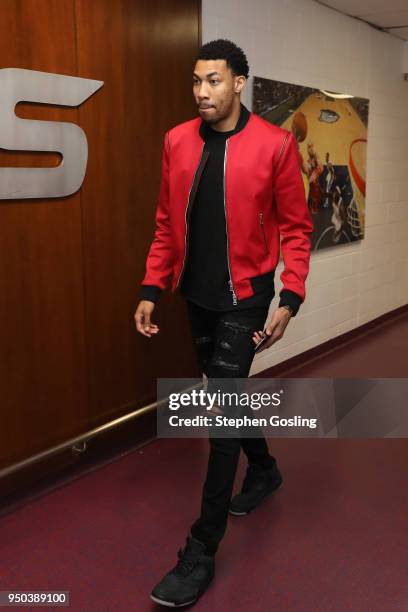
(299, 126)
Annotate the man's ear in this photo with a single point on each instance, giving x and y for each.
(240, 83)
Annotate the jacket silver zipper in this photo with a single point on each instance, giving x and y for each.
(263, 231)
(185, 216)
(231, 286)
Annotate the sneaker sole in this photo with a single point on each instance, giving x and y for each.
(235, 513)
(171, 604)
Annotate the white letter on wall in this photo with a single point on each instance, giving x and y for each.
(16, 134)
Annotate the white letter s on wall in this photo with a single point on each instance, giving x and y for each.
(17, 85)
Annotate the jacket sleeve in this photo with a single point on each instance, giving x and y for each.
(294, 221)
(159, 261)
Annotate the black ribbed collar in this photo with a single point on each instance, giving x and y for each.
(206, 131)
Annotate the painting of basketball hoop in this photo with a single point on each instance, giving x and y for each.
(331, 131)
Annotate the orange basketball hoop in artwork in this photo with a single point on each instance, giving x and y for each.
(358, 179)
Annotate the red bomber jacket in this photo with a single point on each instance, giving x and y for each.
(264, 203)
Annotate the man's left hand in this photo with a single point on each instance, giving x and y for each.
(275, 329)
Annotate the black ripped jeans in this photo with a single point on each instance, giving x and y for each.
(225, 349)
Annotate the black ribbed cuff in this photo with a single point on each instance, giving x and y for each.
(291, 299)
(150, 292)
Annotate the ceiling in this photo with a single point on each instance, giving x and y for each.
(390, 16)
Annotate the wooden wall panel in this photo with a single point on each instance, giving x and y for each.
(43, 377)
(70, 268)
(144, 53)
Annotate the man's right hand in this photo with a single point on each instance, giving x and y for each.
(142, 318)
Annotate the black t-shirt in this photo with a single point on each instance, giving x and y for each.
(205, 279)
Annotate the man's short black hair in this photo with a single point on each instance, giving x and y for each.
(222, 49)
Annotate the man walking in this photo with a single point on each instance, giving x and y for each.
(231, 196)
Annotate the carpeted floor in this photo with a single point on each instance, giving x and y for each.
(333, 538)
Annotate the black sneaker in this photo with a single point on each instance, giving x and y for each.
(184, 584)
(258, 484)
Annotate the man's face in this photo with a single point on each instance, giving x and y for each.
(214, 89)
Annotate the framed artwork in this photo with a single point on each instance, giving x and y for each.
(331, 131)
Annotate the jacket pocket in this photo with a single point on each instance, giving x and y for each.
(262, 226)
